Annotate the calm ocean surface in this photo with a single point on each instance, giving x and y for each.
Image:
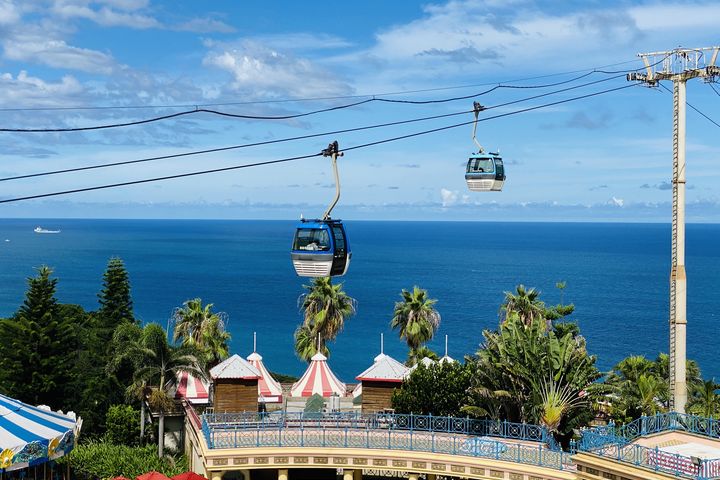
(617, 276)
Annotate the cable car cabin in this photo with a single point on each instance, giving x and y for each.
(485, 172)
(320, 249)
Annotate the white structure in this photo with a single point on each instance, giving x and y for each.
(234, 367)
(446, 358)
(269, 390)
(318, 378)
(678, 66)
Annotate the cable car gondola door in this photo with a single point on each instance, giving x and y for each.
(341, 255)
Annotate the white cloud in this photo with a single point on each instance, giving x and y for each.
(9, 13)
(204, 25)
(261, 71)
(35, 45)
(617, 202)
(114, 13)
(449, 197)
(35, 92)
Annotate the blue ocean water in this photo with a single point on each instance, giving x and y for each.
(617, 277)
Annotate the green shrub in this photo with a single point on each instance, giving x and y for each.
(104, 460)
(314, 404)
(123, 425)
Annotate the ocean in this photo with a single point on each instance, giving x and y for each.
(616, 274)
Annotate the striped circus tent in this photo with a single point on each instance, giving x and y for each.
(194, 390)
(318, 378)
(33, 435)
(269, 390)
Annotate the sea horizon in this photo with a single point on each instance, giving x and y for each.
(616, 272)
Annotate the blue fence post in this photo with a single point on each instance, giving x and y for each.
(432, 436)
(389, 447)
(657, 465)
(540, 455)
(367, 438)
(411, 423)
(346, 433)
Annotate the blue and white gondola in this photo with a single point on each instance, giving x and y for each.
(485, 172)
(320, 248)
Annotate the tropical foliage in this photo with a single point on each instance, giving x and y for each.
(199, 326)
(122, 425)
(40, 345)
(325, 308)
(416, 319)
(439, 389)
(157, 365)
(637, 386)
(104, 460)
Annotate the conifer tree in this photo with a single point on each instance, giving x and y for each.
(115, 301)
(39, 347)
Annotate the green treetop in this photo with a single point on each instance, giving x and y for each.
(115, 301)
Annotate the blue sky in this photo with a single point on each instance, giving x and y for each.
(606, 158)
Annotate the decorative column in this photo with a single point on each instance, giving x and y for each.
(282, 474)
(216, 475)
(413, 476)
(348, 474)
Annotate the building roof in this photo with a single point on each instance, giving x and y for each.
(234, 367)
(384, 368)
(269, 390)
(318, 378)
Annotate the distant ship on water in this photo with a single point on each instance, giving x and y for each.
(43, 230)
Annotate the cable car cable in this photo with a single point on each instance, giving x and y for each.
(694, 108)
(278, 117)
(310, 99)
(302, 157)
(714, 89)
(288, 139)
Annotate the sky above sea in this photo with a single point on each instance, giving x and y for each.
(603, 158)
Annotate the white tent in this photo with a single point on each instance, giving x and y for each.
(269, 390)
(33, 435)
(318, 378)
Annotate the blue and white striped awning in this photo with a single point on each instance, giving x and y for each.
(33, 435)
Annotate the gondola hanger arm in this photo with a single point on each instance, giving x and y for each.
(333, 152)
(477, 108)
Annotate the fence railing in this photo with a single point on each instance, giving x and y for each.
(388, 421)
(318, 435)
(614, 442)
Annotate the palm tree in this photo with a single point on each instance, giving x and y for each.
(525, 304)
(416, 317)
(414, 356)
(325, 308)
(705, 400)
(158, 364)
(306, 344)
(557, 399)
(198, 325)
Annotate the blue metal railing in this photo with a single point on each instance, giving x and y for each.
(336, 435)
(614, 442)
(405, 422)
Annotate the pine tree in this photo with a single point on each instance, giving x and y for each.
(115, 301)
(40, 347)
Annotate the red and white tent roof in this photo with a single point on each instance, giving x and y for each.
(318, 378)
(269, 390)
(194, 390)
